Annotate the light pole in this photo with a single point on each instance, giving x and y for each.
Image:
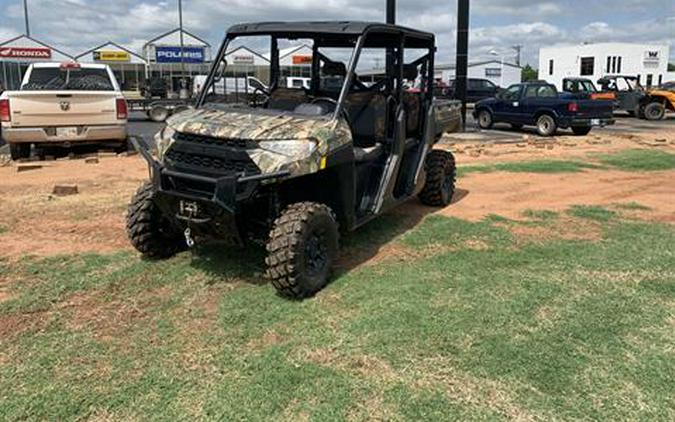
(183, 84)
(25, 14)
(462, 59)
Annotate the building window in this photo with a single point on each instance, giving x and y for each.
(609, 64)
(660, 80)
(650, 79)
(618, 66)
(493, 72)
(550, 67)
(587, 66)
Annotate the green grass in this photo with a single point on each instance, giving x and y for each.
(472, 325)
(542, 215)
(632, 206)
(593, 213)
(535, 166)
(639, 160)
(630, 160)
(3, 229)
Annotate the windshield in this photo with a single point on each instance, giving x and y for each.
(287, 74)
(70, 79)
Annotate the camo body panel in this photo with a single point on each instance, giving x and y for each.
(328, 134)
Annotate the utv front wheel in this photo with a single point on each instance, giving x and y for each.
(149, 232)
(302, 248)
(655, 111)
(440, 184)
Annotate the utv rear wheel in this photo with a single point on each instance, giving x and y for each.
(581, 130)
(485, 120)
(302, 248)
(655, 111)
(19, 151)
(546, 125)
(440, 184)
(149, 232)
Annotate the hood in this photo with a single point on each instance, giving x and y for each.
(249, 124)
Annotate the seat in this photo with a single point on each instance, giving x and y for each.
(368, 117)
(367, 155)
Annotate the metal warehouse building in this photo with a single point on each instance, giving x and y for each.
(593, 61)
(129, 68)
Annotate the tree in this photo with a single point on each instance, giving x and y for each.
(671, 67)
(529, 73)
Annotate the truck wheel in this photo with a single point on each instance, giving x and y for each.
(159, 114)
(485, 120)
(440, 184)
(655, 111)
(546, 125)
(301, 250)
(19, 151)
(149, 232)
(581, 130)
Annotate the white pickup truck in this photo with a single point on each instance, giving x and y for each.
(61, 105)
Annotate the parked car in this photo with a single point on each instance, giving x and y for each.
(60, 105)
(477, 89)
(539, 104)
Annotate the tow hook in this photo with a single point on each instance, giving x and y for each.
(189, 240)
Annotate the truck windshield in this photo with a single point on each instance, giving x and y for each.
(70, 79)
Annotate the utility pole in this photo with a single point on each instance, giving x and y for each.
(518, 49)
(391, 12)
(462, 59)
(25, 14)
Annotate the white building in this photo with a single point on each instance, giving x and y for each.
(500, 73)
(593, 61)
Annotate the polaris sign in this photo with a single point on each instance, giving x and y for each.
(172, 54)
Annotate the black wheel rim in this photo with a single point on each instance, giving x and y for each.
(316, 254)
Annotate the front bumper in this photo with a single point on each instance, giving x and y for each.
(208, 206)
(47, 135)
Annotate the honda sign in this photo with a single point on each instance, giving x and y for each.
(25, 53)
(172, 55)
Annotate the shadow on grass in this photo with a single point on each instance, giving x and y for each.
(226, 263)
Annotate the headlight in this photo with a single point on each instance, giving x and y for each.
(163, 141)
(297, 150)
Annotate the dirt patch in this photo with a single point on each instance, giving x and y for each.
(93, 221)
(564, 229)
(15, 324)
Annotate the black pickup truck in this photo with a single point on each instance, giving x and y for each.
(539, 104)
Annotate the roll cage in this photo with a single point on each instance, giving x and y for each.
(355, 35)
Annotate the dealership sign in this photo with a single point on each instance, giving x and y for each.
(652, 58)
(243, 59)
(302, 59)
(111, 56)
(173, 55)
(25, 53)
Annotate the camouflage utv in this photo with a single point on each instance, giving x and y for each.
(290, 167)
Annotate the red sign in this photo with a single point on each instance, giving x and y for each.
(25, 53)
(297, 60)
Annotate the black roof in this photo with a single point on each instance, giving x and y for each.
(331, 29)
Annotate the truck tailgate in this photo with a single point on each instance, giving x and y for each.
(448, 114)
(595, 109)
(74, 108)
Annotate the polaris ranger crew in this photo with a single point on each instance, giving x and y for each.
(293, 167)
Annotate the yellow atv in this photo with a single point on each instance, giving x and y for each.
(655, 104)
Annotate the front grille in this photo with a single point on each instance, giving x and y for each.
(220, 164)
(208, 140)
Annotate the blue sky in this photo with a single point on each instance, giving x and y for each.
(78, 25)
